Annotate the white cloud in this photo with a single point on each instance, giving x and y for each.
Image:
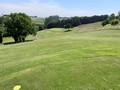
(40, 8)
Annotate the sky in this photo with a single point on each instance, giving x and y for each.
(63, 8)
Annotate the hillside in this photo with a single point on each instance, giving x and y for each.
(89, 27)
(59, 60)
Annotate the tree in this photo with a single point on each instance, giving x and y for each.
(112, 16)
(105, 22)
(41, 27)
(68, 26)
(19, 26)
(75, 21)
(115, 22)
(1, 33)
(1, 29)
(51, 21)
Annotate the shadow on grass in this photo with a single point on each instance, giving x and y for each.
(8, 43)
(67, 30)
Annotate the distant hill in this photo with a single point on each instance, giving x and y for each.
(38, 20)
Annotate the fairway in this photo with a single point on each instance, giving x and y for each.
(59, 60)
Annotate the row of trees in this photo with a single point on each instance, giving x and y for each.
(112, 19)
(16, 25)
(56, 21)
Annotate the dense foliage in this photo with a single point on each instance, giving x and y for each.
(114, 22)
(41, 27)
(112, 19)
(19, 26)
(1, 29)
(56, 21)
(68, 26)
(51, 21)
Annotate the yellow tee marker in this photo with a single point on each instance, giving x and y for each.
(17, 87)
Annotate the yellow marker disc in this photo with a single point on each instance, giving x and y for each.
(17, 87)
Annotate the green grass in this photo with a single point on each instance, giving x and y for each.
(89, 27)
(59, 60)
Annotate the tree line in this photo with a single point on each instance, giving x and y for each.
(112, 19)
(56, 21)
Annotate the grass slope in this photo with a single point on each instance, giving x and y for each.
(89, 27)
(59, 60)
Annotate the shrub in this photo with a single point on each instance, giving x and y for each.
(68, 26)
(115, 22)
(41, 27)
(105, 22)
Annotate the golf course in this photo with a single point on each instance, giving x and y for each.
(87, 57)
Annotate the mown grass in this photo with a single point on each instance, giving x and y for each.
(59, 60)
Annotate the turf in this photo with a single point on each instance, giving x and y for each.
(58, 60)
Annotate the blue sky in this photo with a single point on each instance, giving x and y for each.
(44, 8)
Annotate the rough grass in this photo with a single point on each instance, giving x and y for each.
(89, 27)
(63, 61)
